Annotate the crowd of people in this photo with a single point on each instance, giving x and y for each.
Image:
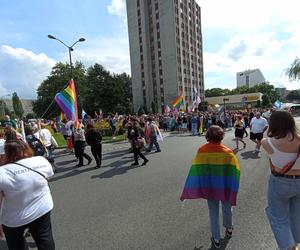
(27, 161)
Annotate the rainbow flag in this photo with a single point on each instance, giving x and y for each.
(60, 117)
(67, 101)
(178, 102)
(214, 174)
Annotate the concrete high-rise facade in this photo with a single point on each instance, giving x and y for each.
(249, 78)
(165, 40)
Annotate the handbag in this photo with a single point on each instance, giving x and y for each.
(141, 142)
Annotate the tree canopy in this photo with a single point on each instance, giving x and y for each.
(294, 71)
(17, 105)
(96, 89)
(265, 88)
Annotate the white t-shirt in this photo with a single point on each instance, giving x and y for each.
(45, 136)
(258, 125)
(26, 193)
(2, 142)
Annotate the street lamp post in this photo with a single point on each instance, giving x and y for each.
(70, 49)
(2, 103)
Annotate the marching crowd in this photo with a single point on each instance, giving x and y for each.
(27, 161)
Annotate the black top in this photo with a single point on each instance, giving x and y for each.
(93, 137)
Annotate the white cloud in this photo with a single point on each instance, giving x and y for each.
(118, 8)
(111, 53)
(266, 36)
(22, 70)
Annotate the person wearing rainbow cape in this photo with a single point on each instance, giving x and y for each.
(214, 176)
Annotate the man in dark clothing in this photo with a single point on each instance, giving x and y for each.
(93, 138)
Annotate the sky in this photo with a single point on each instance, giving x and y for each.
(237, 35)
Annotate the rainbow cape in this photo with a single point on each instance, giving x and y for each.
(178, 102)
(67, 101)
(214, 174)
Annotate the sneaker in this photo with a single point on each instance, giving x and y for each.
(97, 167)
(135, 164)
(145, 162)
(228, 232)
(89, 161)
(215, 243)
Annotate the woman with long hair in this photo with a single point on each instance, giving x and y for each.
(25, 197)
(283, 210)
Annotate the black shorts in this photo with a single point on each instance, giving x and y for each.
(239, 133)
(257, 136)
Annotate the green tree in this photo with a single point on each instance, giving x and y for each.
(59, 79)
(214, 92)
(265, 101)
(240, 90)
(111, 93)
(141, 111)
(294, 95)
(154, 107)
(17, 104)
(294, 71)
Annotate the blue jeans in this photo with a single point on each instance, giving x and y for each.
(194, 128)
(213, 206)
(283, 210)
(153, 140)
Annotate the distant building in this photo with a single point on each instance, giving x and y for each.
(248, 100)
(165, 39)
(249, 78)
(282, 92)
(26, 103)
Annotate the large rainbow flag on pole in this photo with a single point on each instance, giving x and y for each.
(214, 174)
(67, 101)
(178, 102)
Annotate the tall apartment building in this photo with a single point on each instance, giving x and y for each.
(165, 51)
(249, 78)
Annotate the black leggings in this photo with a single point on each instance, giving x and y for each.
(97, 153)
(40, 230)
(137, 152)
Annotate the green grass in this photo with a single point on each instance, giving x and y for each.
(60, 140)
(106, 139)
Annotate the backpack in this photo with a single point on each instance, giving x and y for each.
(36, 145)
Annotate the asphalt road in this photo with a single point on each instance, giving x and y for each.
(121, 207)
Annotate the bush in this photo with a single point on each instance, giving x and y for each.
(103, 127)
